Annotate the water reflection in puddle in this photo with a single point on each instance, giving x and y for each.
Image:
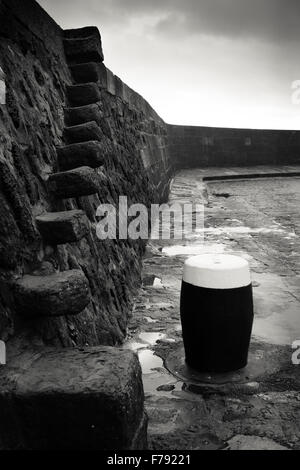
(152, 337)
(149, 361)
(193, 249)
(135, 346)
(157, 283)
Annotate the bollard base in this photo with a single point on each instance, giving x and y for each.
(261, 362)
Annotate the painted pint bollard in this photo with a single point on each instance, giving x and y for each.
(216, 308)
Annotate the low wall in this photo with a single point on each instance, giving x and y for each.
(193, 146)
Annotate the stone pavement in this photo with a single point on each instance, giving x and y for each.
(259, 220)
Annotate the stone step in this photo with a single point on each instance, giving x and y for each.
(82, 114)
(82, 94)
(83, 45)
(87, 398)
(81, 181)
(83, 133)
(82, 154)
(63, 293)
(83, 32)
(57, 228)
(89, 72)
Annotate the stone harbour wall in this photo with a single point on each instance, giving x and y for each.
(73, 135)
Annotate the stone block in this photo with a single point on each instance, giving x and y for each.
(63, 227)
(82, 94)
(72, 399)
(82, 114)
(83, 32)
(81, 154)
(85, 73)
(90, 72)
(63, 293)
(83, 45)
(82, 133)
(81, 181)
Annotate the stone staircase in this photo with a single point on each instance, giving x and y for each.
(67, 292)
(78, 398)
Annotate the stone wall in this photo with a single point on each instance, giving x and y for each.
(73, 135)
(192, 146)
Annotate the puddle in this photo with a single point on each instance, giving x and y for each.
(135, 346)
(194, 249)
(157, 283)
(278, 329)
(152, 337)
(170, 340)
(155, 383)
(149, 361)
(276, 310)
(231, 230)
(151, 320)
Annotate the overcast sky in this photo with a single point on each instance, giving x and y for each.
(200, 62)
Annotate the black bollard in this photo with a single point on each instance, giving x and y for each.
(216, 308)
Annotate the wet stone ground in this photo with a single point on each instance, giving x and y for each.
(259, 407)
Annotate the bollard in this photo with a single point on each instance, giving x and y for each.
(216, 308)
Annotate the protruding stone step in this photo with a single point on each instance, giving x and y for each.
(63, 227)
(83, 45)
(82, 114)
(82, 154)
(83, 133)
(83, 32)
(82, 94)
(89, 72)
(63, 293)
(72, 399)
(81, 181)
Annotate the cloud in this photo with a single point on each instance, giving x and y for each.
(201, 62)
(270, 20)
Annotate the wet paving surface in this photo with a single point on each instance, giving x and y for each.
(259, 408)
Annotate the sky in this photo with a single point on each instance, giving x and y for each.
(227, 63)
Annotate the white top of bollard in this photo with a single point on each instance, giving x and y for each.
(217, 271)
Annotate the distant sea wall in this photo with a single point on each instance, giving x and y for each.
(193, 146)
